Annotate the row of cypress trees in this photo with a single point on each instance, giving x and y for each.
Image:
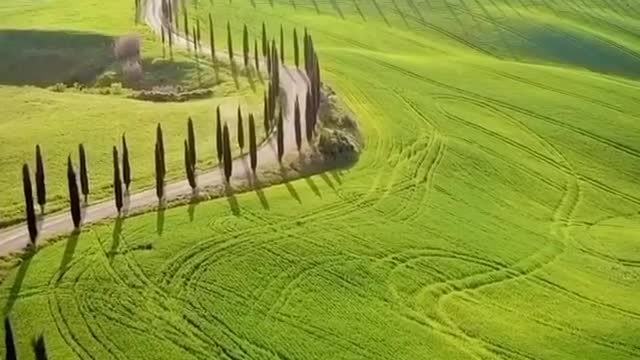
(38, 344)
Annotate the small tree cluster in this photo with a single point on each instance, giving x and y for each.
(127, 51)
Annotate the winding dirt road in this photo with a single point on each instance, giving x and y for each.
(292, 82)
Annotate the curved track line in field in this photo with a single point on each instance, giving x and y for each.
(515, 108)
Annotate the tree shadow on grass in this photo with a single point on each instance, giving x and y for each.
(193, 203)
(69, 250)
(43, 58)
(290, 188)
(116, 235)
(160, 219)
(313, 187)
(255, 184)
(327, 180)
(17, 282)
(231, 199)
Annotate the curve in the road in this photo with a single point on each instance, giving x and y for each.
(293, 82)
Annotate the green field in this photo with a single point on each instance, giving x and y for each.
(493, 214)
(72, 41)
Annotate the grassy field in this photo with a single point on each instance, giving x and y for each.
(494, 213)
(73, 41)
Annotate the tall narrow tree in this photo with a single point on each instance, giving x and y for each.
(188, 166)
(240, 131)
(296, 50)
(256, 58)
(309, 117)
(9, 342)
(160, 142)
(39, 348)
(280, 136)
(164, 49)
(281, 45)
(197, 36)
(229, 43)
(268, 58)
(84, 177)
(126, 167)
(245, 45)
(212, 41)
(192, 143)
(228, 161)
(159, 174)
(170, 44)
(296, 124)
(41, 188)
(117, 181)
(29, 211)
(265, 117)
(264, 40)
(253, 148)
(186, 25)
(74, 196)
(219, 147)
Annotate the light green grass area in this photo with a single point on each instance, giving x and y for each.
(73, 40)
(493, 214)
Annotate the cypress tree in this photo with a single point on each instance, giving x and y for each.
(296, 123)
(264, 40)
(117, 181)
(306, 49)
(188, 166)
(84, 177)
(41, 188)
(9, 343)
(170, 44)
(296, 51)
(253, 149)
(308, 117)
(245, 45)
(192, 143)
(265, 117)
(256, 58)
(159, 174)
(160, 143)
(240, 131)
(219, 148)
(280, 136)
(212, 41)
(126, 168)
(197, 36)
(74, 196)
(268, 57)
(228, 165)
(28, 204)
(229, 43)
(39, 348)
(281, 45)
(186, 25)
(164, 51)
